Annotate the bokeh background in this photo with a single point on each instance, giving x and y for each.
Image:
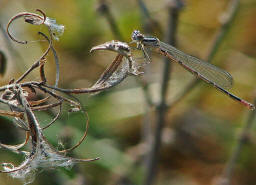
(201, 131)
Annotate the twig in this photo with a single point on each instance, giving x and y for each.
(145, 87)
(11, 105)
(56, 59)
(147, 130)
(103, 8)
(53, 94)
(38, 102)
(227, 22)
(57, 63)
(151, 165)
(149, 24)
(11, 113)
(242, 139)
(144, 9)
(46, 107)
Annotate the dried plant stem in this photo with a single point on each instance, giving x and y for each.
(57, 63)
(23, 14)
(149, 24)
(229, 17)
(14, 95)
(144, 9)
(146, 131)
(242, 139)
(105, 10)
(226, 23)
(151, 164)
(11, 113)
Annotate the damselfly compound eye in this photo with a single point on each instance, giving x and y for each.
(137, 36)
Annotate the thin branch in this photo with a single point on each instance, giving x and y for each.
(144, 9)
(226, 21)
(151, 165)
(146, 131)
(145, 88)
(46, 107)
(104, 9)
(149, 24)
(53, 94)
(57, 64)
(56, 58)
(11, 105)
(38, 102)
(12, 85)
(11, 113)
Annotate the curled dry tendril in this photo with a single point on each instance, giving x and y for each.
(31, 18)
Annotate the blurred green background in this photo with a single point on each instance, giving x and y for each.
(200, 131)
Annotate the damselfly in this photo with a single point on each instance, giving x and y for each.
(209, 73)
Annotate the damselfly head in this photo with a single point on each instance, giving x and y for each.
(137, 36)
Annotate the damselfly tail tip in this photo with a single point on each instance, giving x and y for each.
(249, 105)
(252, 107)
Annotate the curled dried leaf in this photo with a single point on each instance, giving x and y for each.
(122, 66)
(113, 75)
(123, 49)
